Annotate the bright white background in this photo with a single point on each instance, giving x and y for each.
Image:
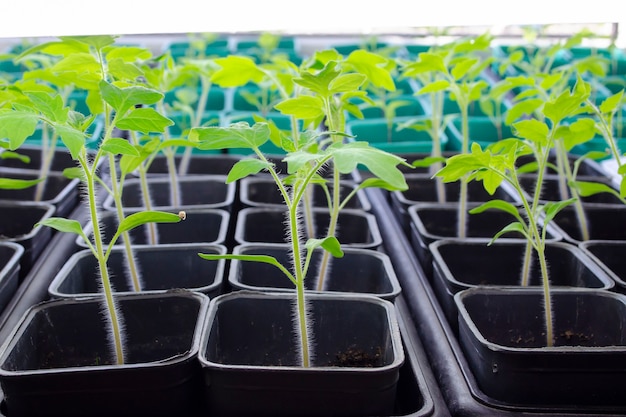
(35, 18)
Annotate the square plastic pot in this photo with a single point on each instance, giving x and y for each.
(63, 193)
(550, 190)
(609, 255)
(502, 334)
(162, 268)
(18, 225)
(425, 189)
(10, 254)
(261, 191)
(461, 264)
(251, 362)
(432, 222)
(208, 226)
(362, 271)
(199, 164)
(196, 192)
(604, 223)
(58, 359)
(356, 228)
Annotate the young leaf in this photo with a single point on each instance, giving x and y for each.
(251, 258)
(380, 163)
(143, 217)
(236, 71)
(73, 139)
(512, 227)
(16, 184)
(589, 188)
(377, 183)
(611, 103)
(123, 99)
(498, 204)
(246, 167)
(372, 66)
(551, 209)
(17, 126)
(64, 225)
(237, 135)
(119, 146)
(434, 87)
(346, 83)
(302, 107)
(145, 120)
(533, 130)
(329, 244)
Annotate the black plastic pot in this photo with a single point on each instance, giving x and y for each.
(358, 271)
(209, 226)
(10, 254)
(57, 361)
(432, 222)
(163, 267)
(609, 254)
(462, 264)
(18, 225)
(63, 193)
(423, 189)
(251, 362)
(261, 191)
(197, 191)
(550, 189)
(62, 159)
(356, 228)
(199, 164)
(604, 223)
(502, 333)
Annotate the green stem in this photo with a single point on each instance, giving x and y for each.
(170, 157)
(462, 217)
(334, 213)
(437, 116)
(116, 188)
(205, 88)
(578, 205)
(153, 237)
(116, 328)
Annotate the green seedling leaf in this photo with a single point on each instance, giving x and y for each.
(143, 217)
(145, 120)
(346, 83)
(377, 183)
(17, 126)
(302, 107)
(237, 135)
(123, 70)
(246, 167)
(16, 184)
(329, 244)
(320, 82)
(97, 41)
(581, 131)
(296, 160)
(551, 209)
(511, 228)
(74, 172)
(64, 225)
(128, 53)
(498, 204)
(266, 259)
(236, 71)
(73, 139)
(533, 130)
(521, 109)
(428, 161)
(588, 188)
(427, 62)
(50, 106)
(435, 86)
(610, 104)
(14, 155)
(119, 146)
(373, 67)
(123, 99)
(382, 164)
(462, 68)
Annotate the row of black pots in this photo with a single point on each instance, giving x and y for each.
(496, 363)
(401, 390)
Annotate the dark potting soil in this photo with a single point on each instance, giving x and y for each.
(354, 357)
(519, 339)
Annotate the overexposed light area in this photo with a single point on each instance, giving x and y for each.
(35, 18)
